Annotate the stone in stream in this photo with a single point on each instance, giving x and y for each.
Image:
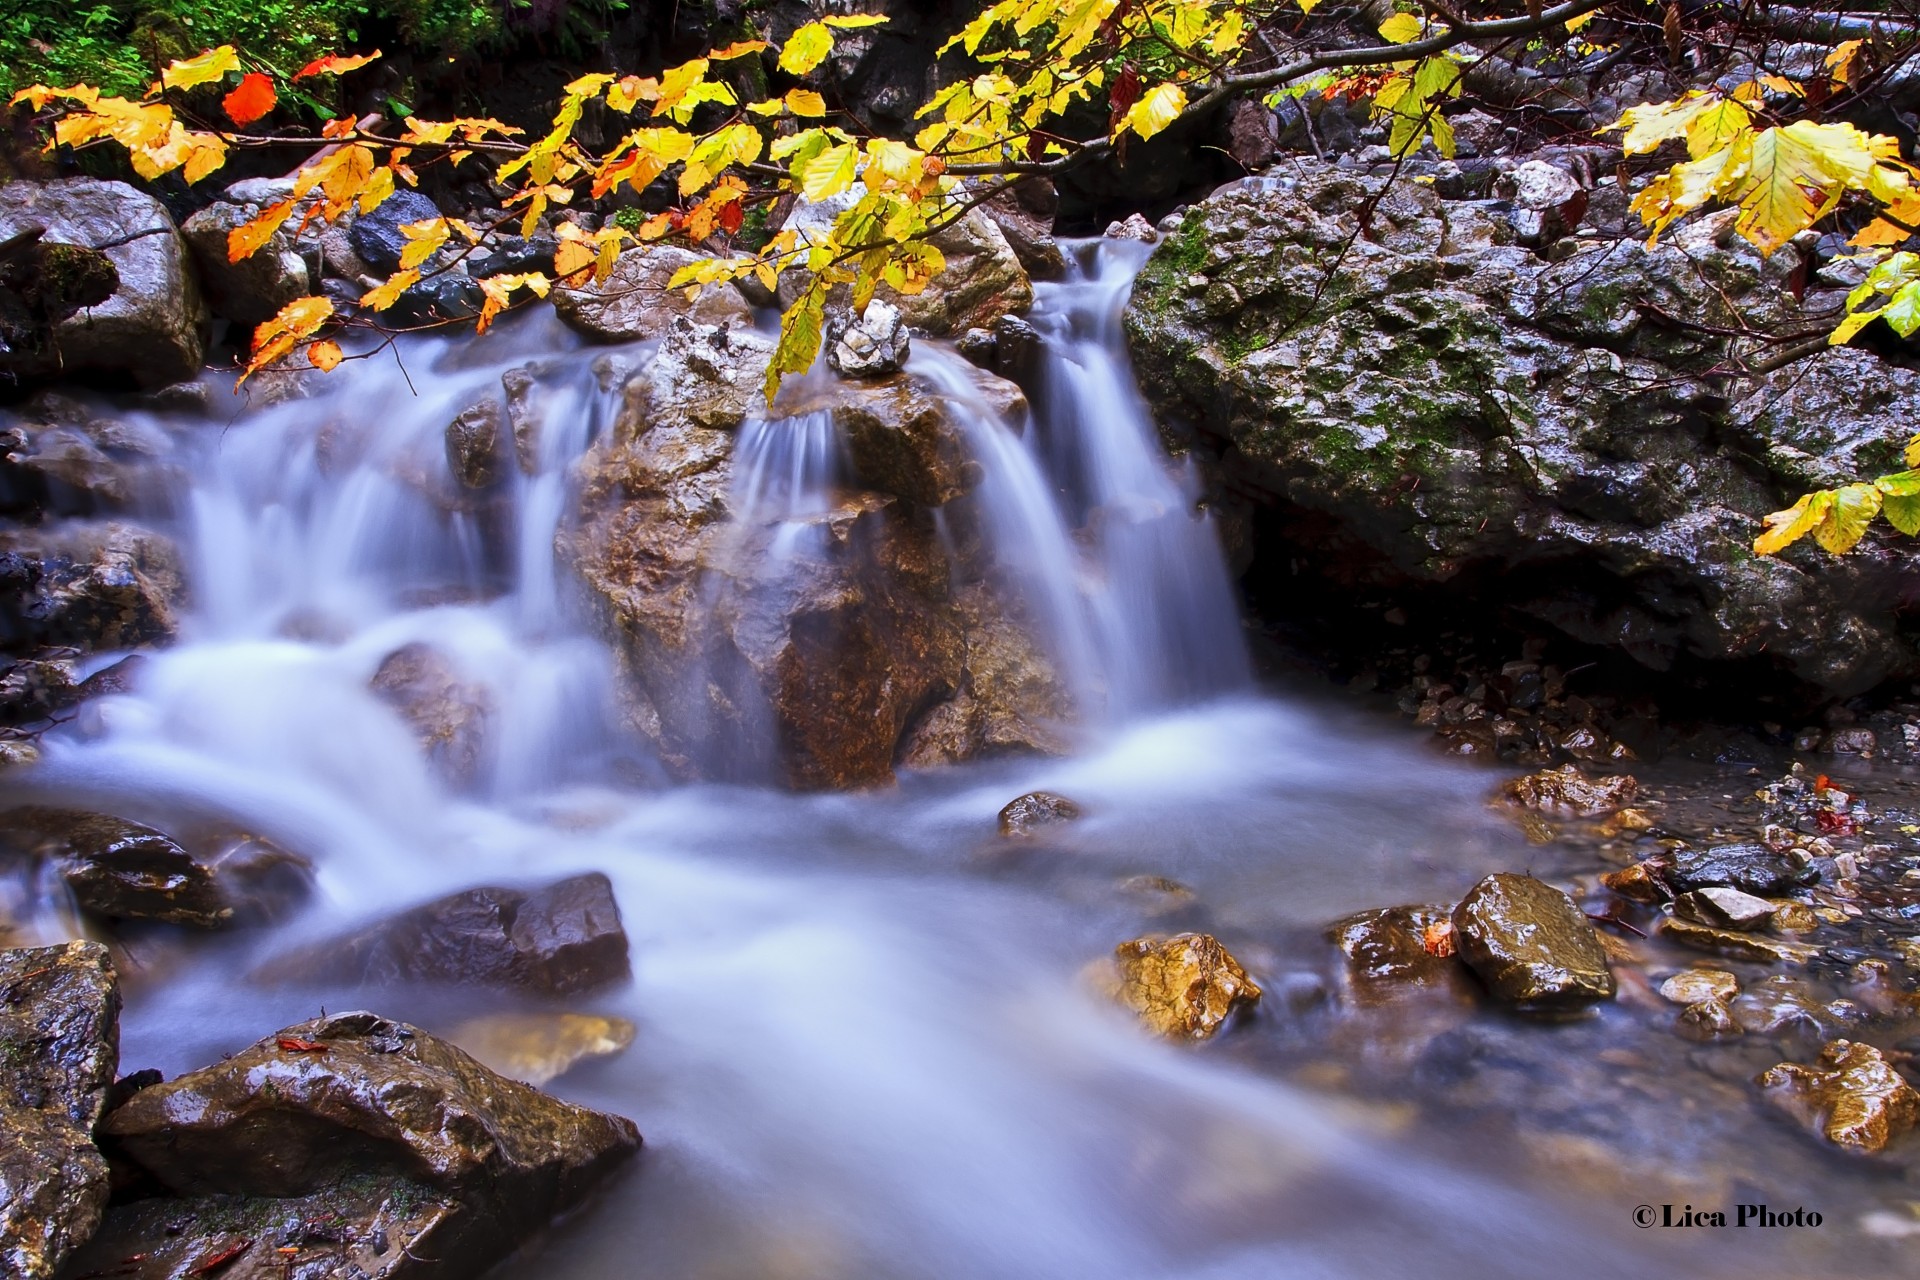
(1568, 792)
(1691, 986)
(561, 938)
(1034, 812)
(634, 303)
(91, 586)
(1640, 882)
(1723, 908)
(477, 444)
(1388, 947)
(1735, 946)
(538, 1047)
(1707, 1020)
(1180, 988)
(448, 716)
(1854, 1098)
(1532, 946)
(59, 1048)
(1753, 868)
(871, 345)
(416, 1153)
(118, 869)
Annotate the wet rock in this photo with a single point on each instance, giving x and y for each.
(33, 689)
(906, 436)
(1793, 917)
(1034, 812)
(1567, 791)
(1754, 868)
(88, 586)
(634, 302)
(562, 938)
(59, 1048)
(256, 287)
(382, 1100)
(1548, 202)
(1389, 947)
(1734, 946)
(448, 715)
(1707, 1020)
(1854, 1098)
(1531, 945)
(257, 881)
(1181, 988)
(1010, 699)
(1784, 1006)
(1025, 213)
(538, 1047)
(153, 328)
(58, 457)
(870, 345)
(1641, 882)
(514, 255)
(1691, 986)
(376, 237)
(1723, 908)
(117, 869)
(1135, 227)
(477, 444)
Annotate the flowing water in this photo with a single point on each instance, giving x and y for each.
(865, 1047)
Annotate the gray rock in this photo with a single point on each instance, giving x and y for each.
(153, 328)
(1753, 868)
(871, 345)
(53, 1191)
(256, 287)
(1135, 227)
(91, 586)
(1724, 908)
(1531, 945)
(634, 303)
(477, 444)
(376, 237)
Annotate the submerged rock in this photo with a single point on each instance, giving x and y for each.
(356, 1096)
(1691, 986)
(538, 1047)
(1532, 946)
(1567, 791)
(118, 869)
(1854, 1098)
(564, 937)
(448, 715)
(1707, 1020)
(1034, 812)
(1181, 988)
(1735, 946)
(59, 1049)
(1389, 947)
(1753, 868)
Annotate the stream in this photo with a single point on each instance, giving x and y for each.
(865, 1042)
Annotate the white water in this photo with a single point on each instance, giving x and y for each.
(864, 1046)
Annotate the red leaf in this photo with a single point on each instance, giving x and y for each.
(335, 64)
(214, 1261)
(252, 98)
(732, 217)
(1125, 90)
(292, 1045)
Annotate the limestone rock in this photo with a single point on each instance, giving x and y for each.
(1034, 812)
(1183, 987)
(448, 715)
(382, 1099)
(1854, 1098)
(1566, 791)
(562, 938)
(1707, 1020)
(1735, 946)
(539, 1047)
(153, 329)
(634, 302)
(1531, 945)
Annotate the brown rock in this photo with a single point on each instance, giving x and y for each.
(1388, 946)
(1854, 1098)
(118, 869)
(53, 1191)
(1531, 945)
(90, 586)
(1566, 791)
(477, 444)
(448, 715)
(1707, 1020)
(1183, 987)
(381, 1100)
(565, 937)
(1034, 812)
(1640, 882)
(538, 1047)
(1735, 946)
(1691, 986)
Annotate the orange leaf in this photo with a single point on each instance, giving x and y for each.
(293, 1044)
(389, 293)
(1437, 938)
(245, 240)
(335, 64)
(252, 98)
(572, 259)
(325, 355)
(339, 127)
(298, 320)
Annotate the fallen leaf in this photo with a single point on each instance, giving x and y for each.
(293, 1044)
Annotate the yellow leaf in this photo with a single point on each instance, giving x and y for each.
(1854, 508)
(800, 330)
(1653, 123)
(805, 102)
(1156, 109)
(384, 296)
(1840, 61)
(1580, 20)
(245, 240)
(1401, 28)
(1716, 127)
(1775, 206)
(325, 356)
(423, 240)
(806, 49)
(1784, 528)
(1912, 452)
(827, 174)
(1780, 84)
(851, 21)
(207, 67)
(297, 321)
(738, 49)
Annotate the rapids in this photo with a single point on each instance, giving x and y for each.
(864, 1044)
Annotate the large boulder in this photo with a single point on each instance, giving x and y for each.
(89, 586)
(439, 1159)
(804, 644)
(558, 939)
(59, 1049)
(634, 302)
(257, 286)
(1548, 436)
(153, 329)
